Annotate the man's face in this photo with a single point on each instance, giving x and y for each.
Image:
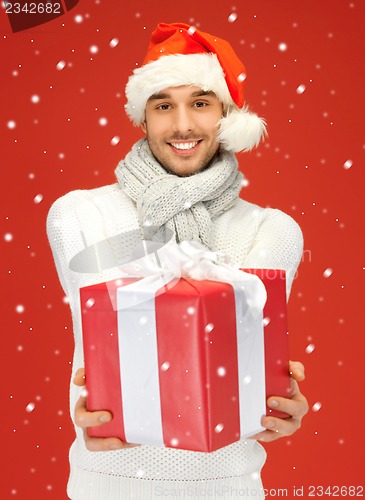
(181, 127)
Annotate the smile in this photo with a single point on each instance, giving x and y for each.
(184, 145)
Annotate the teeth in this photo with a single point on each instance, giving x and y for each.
(184, 145)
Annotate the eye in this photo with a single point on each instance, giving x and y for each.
(163, 107)
(200, 104)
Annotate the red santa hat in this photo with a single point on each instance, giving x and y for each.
(179, 54)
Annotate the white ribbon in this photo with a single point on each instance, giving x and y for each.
(138, 340)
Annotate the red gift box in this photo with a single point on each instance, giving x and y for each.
(276, 335)
(191, 386)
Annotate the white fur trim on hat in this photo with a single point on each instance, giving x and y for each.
(241, 130)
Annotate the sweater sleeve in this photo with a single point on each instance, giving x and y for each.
(65, 237)
(278, 244)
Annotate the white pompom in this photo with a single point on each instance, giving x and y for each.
(241, 130)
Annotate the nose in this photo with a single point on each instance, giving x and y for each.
(183, 120)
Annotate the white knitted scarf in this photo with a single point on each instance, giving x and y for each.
(183, 206)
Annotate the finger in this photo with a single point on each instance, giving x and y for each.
(79, 378)
(297, 370)
(266, 436)
(105, 444)
(85, 418)
(296, 406)
(284, 427)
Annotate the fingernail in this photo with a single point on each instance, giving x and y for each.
(104, 419)
(273, 403)
(115, 446)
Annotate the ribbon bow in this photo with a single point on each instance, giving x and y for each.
(160, 267)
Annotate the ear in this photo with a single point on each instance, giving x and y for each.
(144, 127)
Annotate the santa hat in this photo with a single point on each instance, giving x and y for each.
(179, 54)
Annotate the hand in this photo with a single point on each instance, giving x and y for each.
(85, 419)
(296, 406)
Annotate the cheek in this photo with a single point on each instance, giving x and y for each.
(156, 128)
(210, 124)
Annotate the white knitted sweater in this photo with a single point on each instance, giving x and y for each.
(253, 237)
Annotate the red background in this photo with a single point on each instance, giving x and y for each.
(58, 144)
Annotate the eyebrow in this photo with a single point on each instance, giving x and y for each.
(202, 93)
(159, 95)
(165, 95)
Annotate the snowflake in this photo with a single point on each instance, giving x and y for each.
(30, 407)
(37, 199)
(317, 406)
(113, 43)
(60, 65)
(143, 320)
(90, 302)
(266, 321)
(232, 17)
(209, 327)
(310, 348)
(115, 140)
(327, 273)
(347, 164)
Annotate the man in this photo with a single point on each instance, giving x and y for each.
(182, 179)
